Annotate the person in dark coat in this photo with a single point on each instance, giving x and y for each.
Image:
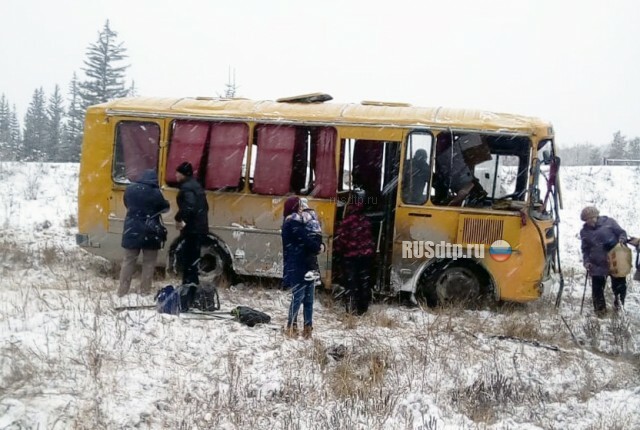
(599, 235)
(299, 249)
(144, 203)
(355, 246)
(192, 221)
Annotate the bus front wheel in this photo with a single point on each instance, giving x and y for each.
(454, 283)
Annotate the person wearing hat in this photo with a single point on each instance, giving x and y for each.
(300, 248)
(599, 235)
(191, 220)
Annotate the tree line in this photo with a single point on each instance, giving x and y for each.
(588, 154)
(53, 124)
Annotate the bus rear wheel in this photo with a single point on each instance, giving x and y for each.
(213, 267)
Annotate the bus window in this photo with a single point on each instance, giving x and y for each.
(227, 150)
(293, 159)
(136, 150)
(273, 152)
(187, 144)
(416, 173)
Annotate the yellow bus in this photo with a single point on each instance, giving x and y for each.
(432, 178)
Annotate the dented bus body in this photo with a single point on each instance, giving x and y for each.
(430, 176)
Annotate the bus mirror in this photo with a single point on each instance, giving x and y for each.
(546, 157)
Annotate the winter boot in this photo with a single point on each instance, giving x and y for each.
(291, 331)
(306, 331)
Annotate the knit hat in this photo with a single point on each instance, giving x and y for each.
(291, 205)
(185, 168)
(589, 212)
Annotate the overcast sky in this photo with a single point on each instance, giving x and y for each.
(574, 63)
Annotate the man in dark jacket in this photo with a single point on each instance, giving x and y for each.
(144, 203)
(191, 220)
(599, 235)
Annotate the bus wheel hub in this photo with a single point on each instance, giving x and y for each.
(457, 283)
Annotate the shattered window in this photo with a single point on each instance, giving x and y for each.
(136, 150)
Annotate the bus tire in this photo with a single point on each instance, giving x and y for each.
(455, 282)
(214, 265)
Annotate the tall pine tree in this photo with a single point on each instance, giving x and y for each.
(618, 147)
(75, 120)
(104, 69)
(15, 141)
(55, 115)
(5, 130)
(36, 126)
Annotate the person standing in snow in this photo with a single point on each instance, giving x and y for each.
(299, 249)
(192, 221)
(354, 244)
(599, 235)
(144, 203)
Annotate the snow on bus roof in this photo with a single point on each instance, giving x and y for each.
(345, 113)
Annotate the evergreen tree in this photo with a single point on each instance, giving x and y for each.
(634, 148)
(5, 131)
(55, 114)
(618, 147)
(104, 70)
(75, 120)
(35, 128)
(15, 142)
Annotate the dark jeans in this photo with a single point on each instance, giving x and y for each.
(618, 285)
(301, 295)
(190, 254)
(357, 272)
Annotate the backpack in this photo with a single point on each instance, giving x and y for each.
(173, 300)
(250, 316)
(168, 300)
(206, 298)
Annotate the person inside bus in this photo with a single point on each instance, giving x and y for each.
(453, 179)
(192, 221)
(299, 250)
(415, 178)
(354, 245)
(599, 235)
(144, 203)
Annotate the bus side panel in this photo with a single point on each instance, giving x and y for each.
(250, 225)
(94, 182)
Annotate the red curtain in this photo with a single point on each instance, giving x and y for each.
(324, 162)
(274, 159)
(187, 144)
(139, 142)
(227, 147)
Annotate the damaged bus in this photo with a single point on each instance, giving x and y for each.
(458, 179)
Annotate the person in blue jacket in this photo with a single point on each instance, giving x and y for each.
(300, 248)
(144, 203)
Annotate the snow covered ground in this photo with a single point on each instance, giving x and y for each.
(69, 360)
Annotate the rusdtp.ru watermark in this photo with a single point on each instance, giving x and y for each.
(428, 249)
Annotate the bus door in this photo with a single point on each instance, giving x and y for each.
(370, 170)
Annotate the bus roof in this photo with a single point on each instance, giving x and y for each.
(366, 113)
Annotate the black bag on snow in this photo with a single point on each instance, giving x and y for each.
(206, 298)
(250, 316)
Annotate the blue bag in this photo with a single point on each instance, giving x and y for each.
(168, 300)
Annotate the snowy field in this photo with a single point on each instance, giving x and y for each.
(69, 361)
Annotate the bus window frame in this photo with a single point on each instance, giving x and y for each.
(116, 136)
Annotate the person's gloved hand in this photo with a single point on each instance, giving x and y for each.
(587, 266)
